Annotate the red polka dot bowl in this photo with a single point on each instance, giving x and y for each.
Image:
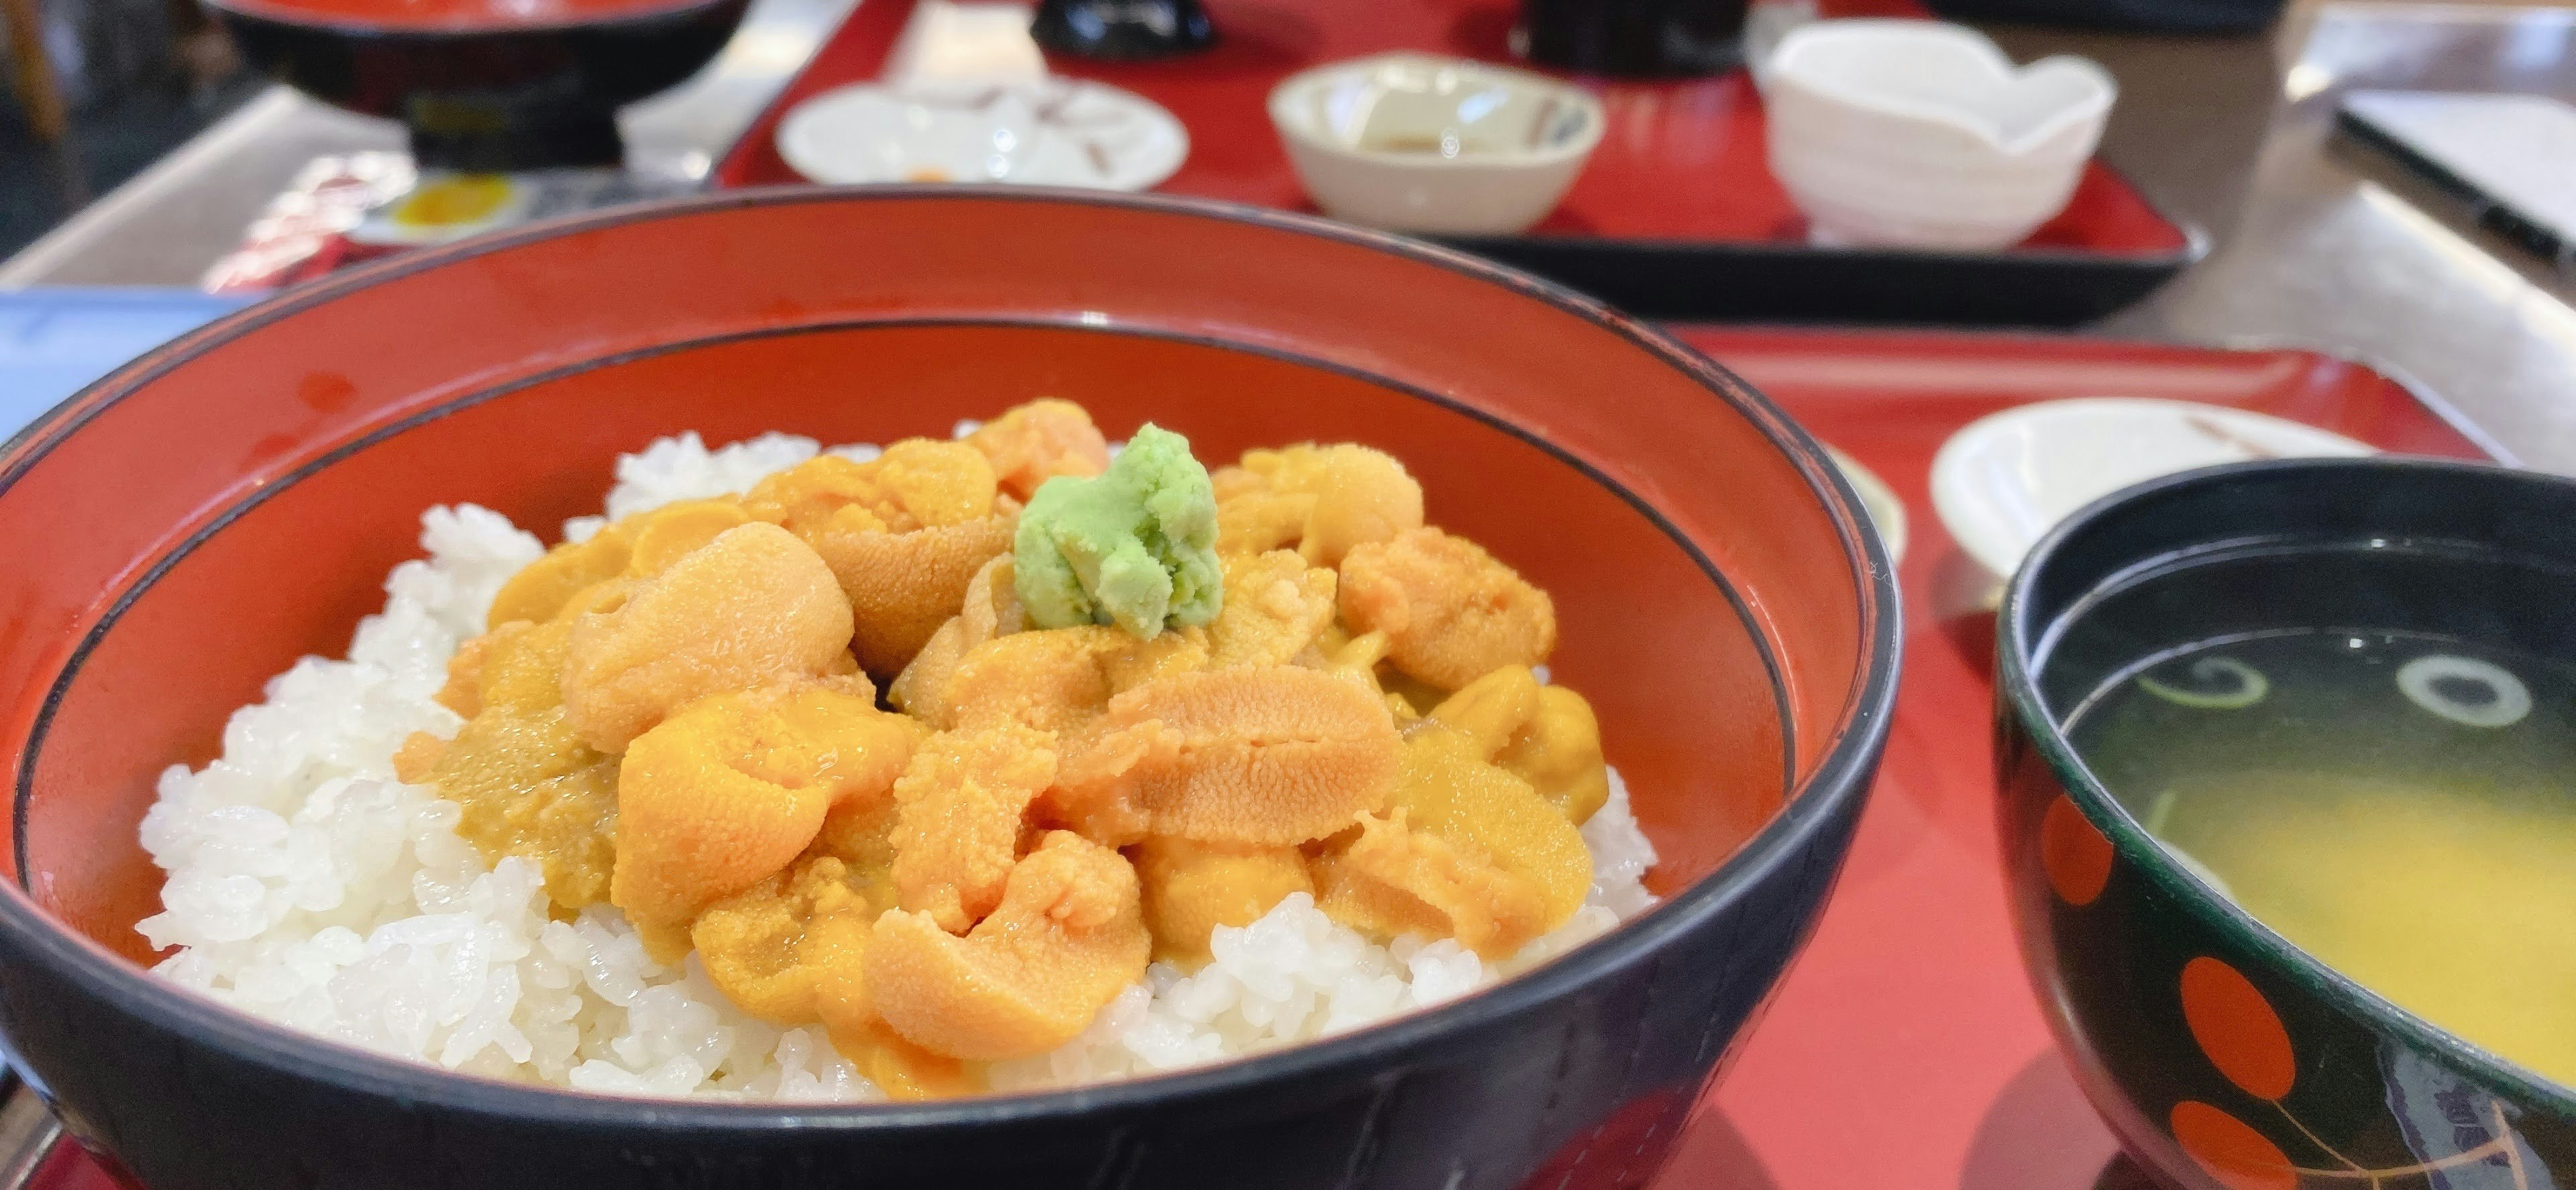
(2223, 1056)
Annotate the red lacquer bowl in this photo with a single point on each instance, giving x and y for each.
(191, 525)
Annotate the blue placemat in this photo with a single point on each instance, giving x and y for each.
(53, 341)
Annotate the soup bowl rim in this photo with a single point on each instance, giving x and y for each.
(1838, 778)
(2017, 640)
(396, 34)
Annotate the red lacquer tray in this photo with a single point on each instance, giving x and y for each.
(1904, 1049)
(1676, 215)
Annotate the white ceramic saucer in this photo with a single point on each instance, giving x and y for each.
(2003, 481)
(1048, 132)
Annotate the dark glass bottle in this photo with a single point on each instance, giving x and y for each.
(1123, 29)
(1633, 37)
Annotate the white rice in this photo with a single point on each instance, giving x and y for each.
(308, 886)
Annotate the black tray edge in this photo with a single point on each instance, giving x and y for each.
(1737, 281)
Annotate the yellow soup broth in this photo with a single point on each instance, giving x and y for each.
(2396, 807)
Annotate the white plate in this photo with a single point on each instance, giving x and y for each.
(2003, 481)
(1885, 510)
(1052, 132)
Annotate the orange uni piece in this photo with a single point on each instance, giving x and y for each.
(1033, 443)
(1545, 735)
(1257, 521)
(526, 782)
(1275, 606)
(1068, 935)
(960, 810)
(903, 533)
(1393, 879)
(1271, 756)
(914, 484)
(1322, 499)
(1192, 888)
(991, 609)
(751, 607)
(635, 547)
(1058, 679)
(793, 948)
(1467, 851)
(729, 791)
(463, 691)
(1450, 611)
(903, 586)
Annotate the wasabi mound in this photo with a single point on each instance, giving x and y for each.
(1134, 546)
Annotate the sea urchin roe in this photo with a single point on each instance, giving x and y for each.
(463, 690)
(914, 484)
(1272, 756)
(1397, 879)
(1545, 735)
(753, 606)
(1134, 545)
(903, 586)
(1192, 888)
(528, 787)
(526, 783)
(1450, 611)
(903, 534)
(961, 808)
(1275, 606)
(635, 547)
(992, 609)
(1068, 935)
(793, 947)
(1559, 753)
(942, 888)
(729, 791)
(1492, 708)
(1361, 496)
(1059, 679)
(1467, 839)
(1033, 443)
(1323, 500)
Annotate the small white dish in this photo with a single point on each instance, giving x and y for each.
(1879, 500)
(2003, 481)
(1922, 134)
(1415, 142)
(1051, 132)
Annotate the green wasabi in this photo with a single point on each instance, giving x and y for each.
(1133, 546)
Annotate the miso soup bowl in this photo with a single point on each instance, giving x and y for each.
(511, 87)
(2224, 1057)
(191, 525)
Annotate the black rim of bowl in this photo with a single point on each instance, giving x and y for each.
(344, 25)
(2016, 677)
(1839, 776)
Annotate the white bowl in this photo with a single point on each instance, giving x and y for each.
(1043, 132)
(2004, 480)
(1414, 142)
(1922, 134)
